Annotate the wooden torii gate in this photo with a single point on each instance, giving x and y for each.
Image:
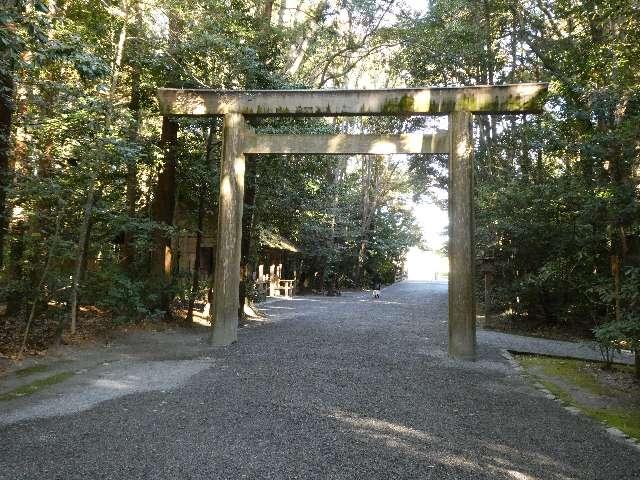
(460, 104)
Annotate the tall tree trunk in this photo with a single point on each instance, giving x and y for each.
(267, 11)
(372, 189)
(282, 11)
(335, 177)
(43, 277)
(128, 247)
(132, 193)
(16, 248)
(162, 212)
(6, 85)
(84, 235)
(195, 280)
(83, 243)
(7, 90)
(367, 172)
(163, 203)
(248, 218)
(204, 187)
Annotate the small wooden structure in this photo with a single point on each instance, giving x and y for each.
(460, 104)
(279, 254)
(273, 285)
(282, 288)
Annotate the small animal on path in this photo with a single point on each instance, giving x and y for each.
(376, 290)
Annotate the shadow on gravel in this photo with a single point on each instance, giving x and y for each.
(436, 457)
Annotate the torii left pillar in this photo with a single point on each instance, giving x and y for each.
(227, 274)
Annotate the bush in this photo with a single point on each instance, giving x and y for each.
(112, 290)
(253, 293)
(618, 335)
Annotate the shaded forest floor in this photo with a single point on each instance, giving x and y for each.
(94, 326)
(535, 327)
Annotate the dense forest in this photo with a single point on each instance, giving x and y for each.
(91, 178)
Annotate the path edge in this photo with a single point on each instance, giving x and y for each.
(613, 432)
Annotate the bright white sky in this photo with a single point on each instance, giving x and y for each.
(427, 265)
(433, 222)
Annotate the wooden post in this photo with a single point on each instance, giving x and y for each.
(227, 274)
(487, 298)
(462, 312)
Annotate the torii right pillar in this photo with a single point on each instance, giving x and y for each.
(462, 308)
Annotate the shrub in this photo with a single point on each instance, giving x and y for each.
(618, 335)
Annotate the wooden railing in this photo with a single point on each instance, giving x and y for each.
(276, 287)
(280, 288)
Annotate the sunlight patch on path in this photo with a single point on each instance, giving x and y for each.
(86, 391)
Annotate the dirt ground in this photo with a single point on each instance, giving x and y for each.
(95, 327)
(535, 327)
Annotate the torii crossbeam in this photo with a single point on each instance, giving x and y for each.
(239, 140)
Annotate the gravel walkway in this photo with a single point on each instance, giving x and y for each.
(339, 388)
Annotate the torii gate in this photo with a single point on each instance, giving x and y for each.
(240, 140)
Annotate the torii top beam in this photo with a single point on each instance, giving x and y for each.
(482, 99)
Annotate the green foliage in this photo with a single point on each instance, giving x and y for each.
(114, 291)
(86, 75)
(557, 203)
(618, 335)
(253, 293)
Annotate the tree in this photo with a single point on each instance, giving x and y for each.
(556, 196)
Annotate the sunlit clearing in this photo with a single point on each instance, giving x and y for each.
(426, 265)
(429, 265)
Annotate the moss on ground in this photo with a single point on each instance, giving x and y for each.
(36, 386)
(626, 420)
(556, 390)
(584, 375)
(576, 372)
(24, 372)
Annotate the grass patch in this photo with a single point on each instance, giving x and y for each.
(556, 390)
(586, 376)
(576, 372)
(36, 386)
(31, 370)
(626, 420)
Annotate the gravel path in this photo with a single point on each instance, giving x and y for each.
(339, 388)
